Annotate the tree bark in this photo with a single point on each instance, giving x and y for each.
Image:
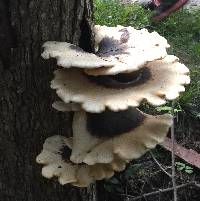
(26, 116)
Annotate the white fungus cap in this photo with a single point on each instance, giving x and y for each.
(128, 48)
(132, 145)
(125, 147)
(69, 55)
(166, 81)
(81, 175)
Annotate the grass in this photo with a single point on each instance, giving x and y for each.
(110, 13)
(181, 29)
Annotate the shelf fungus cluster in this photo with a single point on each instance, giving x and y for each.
(104, 90)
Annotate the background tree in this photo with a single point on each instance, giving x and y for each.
(26, 117)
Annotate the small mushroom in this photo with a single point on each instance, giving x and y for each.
(69, 55)
(56, 163)
(128, 48)
(160, 80)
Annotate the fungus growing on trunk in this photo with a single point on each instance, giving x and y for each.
(69, 55)
(145, 132)
(165, 80)
(103, 91)
(128, 48)
(57, 164)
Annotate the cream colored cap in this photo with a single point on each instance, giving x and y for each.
(81, 175)
(128, 48)
(167, 78)
(69, 55)
(133, 144)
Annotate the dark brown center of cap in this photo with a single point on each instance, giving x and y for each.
(65, 153)
(109, 46)
(109, 123)
(122, 80)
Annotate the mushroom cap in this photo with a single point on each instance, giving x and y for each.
(133, 144)
(118, 149)
(81, 175)
(128, 48)
(54, 164)
(167, 77)
(69, 55)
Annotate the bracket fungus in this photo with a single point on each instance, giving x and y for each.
(128, 48)
(104, 90)
(160, 80)
(69, 55)
(98, 138)
(56, 163)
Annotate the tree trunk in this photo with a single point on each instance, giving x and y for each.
(26, 117)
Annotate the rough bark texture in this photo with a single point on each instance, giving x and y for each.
(26, 117)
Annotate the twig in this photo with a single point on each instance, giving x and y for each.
(173, 155)
(197, 184)
(160, 191)
(160, 166)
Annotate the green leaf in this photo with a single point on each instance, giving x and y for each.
(189, 171)
(180, 164)
(163, 108)
(188, 168)
(180, 168)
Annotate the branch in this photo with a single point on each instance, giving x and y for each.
(173, 156)
(188, 155)
(160, 166)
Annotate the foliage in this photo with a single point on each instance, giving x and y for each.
(182, 30)
(111, 13)
(183, 167)
(190, 99)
